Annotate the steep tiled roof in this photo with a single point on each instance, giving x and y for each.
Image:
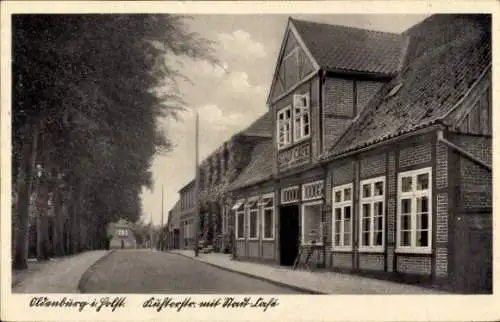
(433, 81)
(261, 127)
(344, 48)
(259, 168)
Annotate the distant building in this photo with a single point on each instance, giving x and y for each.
(122, 236)
(172, 230)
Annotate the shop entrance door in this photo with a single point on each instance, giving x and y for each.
(289, 234)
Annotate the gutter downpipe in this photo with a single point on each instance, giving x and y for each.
(440, 137)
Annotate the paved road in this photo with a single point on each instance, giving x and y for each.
(142, 271)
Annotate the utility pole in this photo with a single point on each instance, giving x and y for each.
(161, 227)
(151, 231)
(197, 190)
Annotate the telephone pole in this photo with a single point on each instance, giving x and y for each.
(151, 231)
(161, 227)
(197, 190)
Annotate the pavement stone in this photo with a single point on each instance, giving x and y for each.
(61, 275)
(309, 281)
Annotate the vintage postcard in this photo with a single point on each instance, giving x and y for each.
(284, 161)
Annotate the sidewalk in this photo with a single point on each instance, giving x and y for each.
(60, 275)
(309, 282)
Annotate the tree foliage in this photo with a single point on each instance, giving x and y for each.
(94, 88)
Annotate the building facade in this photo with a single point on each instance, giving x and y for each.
(381, 159)
(187, 216)
(121, 236)
(172, 229)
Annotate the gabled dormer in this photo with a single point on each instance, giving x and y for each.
(324, 76)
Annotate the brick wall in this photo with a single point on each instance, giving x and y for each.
(365, 90)
(333, 129)
(342, 260)
(391, 183)
(415, 154)
(475, 181)
(414, 264)
(442, 218)
(372, 165)
(371, 262)
(441, 166)
(338, 108)
(441, 262)
(342, 173)
(338, 96)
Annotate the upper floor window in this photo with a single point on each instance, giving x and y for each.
(372, 200)
(284, 127)
(122, 232)
(301, 117)
(414, 229)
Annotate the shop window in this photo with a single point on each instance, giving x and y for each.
(284, 131)
(253, 218)
(240, 219)
(268, 217)
(372, 218)
(301, 117)
(414, 229)
(342, 217)
(312, 226)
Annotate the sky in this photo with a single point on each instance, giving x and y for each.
(229, 99)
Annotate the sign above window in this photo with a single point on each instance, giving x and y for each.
(290, 194)
(312, 190)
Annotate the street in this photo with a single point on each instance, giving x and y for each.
(145, 271)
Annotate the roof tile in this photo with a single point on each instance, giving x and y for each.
(259, 168)
(352, 49)
(433, 82)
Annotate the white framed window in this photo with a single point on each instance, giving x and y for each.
(372, 214)
(342, 217)
(414, 210)
(268, 218)
(301, 117)
(284, 124)
(312, 225)
(253, 218)
(239, 217)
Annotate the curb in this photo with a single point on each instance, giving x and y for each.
(86, 275)
(265, 279)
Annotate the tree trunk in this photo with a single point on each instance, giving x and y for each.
(58, 220)
(24, 181)
(42, 207)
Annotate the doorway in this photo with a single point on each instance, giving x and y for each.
(289, 234)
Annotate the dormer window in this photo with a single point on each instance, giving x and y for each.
(284, 127)
(301, 116)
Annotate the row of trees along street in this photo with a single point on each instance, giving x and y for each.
(88, 94)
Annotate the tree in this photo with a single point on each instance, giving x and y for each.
(95, 86)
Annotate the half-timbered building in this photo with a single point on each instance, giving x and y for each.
(380, 160)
